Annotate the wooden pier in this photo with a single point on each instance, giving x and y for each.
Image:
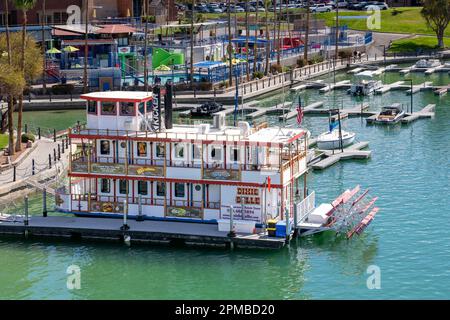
(345, 84)
(293, 113)
(352, 152)
(361, 110)
(388, 87)
(147, 231)
(277, 109)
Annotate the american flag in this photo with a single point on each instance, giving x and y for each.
(299, 114)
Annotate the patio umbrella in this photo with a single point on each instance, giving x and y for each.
(70, 49)
(162, 67)
(53, 50)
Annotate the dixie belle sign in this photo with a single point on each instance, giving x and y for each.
(248, 196)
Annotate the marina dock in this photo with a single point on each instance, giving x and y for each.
(345, 84)
(352, 152)
(361, 110)
(148, 231)
(293, 113)
(388, 87)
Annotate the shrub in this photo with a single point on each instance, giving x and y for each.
(258, 75)
(62, 88)
(345, 53)
(27, 137)
(301, 62)
(275, 68)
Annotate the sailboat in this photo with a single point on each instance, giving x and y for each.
(335, 137)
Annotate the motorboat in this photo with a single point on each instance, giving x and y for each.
(430, 63)
(206, 109)
(365, 84)
(390, 114)
(331, 140)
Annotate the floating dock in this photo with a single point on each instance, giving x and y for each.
(351, 152)
(441, 91)
(147, 231)
(361, 110)
(345, 84)
(388, 87)
(277, 109)
(293, 113)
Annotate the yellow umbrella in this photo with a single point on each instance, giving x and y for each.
(53, 50)
(162, 67)
(70, 49)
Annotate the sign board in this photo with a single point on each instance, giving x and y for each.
(79, 167)
(108, 168)
(146, 171)
(183, 212)
(252, 213)
(221, 174)
(124, 50)
(106, 206)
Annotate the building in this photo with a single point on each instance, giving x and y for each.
(130, 162)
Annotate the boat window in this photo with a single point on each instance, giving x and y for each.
(92, 107)
(127, 108)
(108, 108)
(160, 189)
(105, 186)
(196, 152)
(216, 153)
(123, 186)
(179, 190)
(179, 150)
(142, 107)
(143, 188)
(234, 154)
(160, 150)
(141, 149)
(105, 147)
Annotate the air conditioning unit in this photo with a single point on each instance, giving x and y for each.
(203, 128)
(244, 126)
(219, 121)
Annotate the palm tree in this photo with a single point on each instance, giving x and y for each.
(266, 7)
(255, 45)
(230, 46)
(10, 99)
(145, 45)
(43, 45)
(23, 5)
(305, 51)
(279, 36)
(246, 39)
(192, 42)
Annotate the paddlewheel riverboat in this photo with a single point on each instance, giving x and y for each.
(130, 159)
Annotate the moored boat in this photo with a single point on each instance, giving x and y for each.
(427, 63)
(206, 109)
(365, 84)
(390, 114)
(331, 140)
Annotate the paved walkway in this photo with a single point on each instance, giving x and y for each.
(40, 155)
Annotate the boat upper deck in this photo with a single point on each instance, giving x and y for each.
(203, 133)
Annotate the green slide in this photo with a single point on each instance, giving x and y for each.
(161, 56)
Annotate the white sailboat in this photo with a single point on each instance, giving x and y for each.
(335, 137)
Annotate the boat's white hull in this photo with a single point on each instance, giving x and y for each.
(390, 121)
(330, 144)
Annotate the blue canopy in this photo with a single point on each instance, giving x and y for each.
(208, 64)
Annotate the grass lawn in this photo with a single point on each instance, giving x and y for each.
(415, 44)
(3, 140)
(398, 20)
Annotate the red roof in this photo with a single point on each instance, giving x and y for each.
(115, 28)
(59, 32)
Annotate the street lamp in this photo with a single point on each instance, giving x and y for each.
(411, 81)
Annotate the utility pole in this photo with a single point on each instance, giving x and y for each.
(145, 47)
(336, 48)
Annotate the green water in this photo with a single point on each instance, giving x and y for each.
(409, 240)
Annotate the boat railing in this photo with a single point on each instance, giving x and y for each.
(305, 206)
(144, 200)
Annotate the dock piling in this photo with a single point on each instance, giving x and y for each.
(32, 167)
(54, 135)
(231, 234)
(44, 203)
(39, 133)
(49, 161)
(140, 217)
(125, 226)
(25, 221)
(14, 173)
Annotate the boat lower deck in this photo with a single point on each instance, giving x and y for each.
(147, 231)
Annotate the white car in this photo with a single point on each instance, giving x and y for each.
(342, 4)
(320, 8)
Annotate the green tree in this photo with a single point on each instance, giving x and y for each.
(437, 15)
(24, 6)
(15, 72)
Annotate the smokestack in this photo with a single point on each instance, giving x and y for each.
(168, 105)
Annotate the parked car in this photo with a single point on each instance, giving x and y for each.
(380, 5)
(342, 4)
(321, 7)
(360, 6)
